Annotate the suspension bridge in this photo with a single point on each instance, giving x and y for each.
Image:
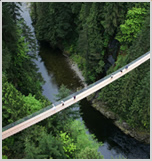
(44, 113)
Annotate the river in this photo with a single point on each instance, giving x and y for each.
(56, 70)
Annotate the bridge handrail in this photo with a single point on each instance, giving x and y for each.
(70, 96)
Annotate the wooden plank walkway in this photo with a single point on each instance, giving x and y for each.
(69, 102)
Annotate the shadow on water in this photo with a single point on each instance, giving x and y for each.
(58, 67)
(115, 141)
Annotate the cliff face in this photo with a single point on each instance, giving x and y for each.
(122, 125)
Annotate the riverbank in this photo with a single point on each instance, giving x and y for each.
(103, 109)
(75, 68)
(122, 125)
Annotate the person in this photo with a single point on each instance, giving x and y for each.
(74, 97)
(53, 106)
(126, 67)
(121, 71)
(111, 76)
(62, 103)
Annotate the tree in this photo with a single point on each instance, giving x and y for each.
(44, 146)
(89, 153)
(84, 142)
(60, 23)
(113, 16)
(129, 95)
(4, 157)
(8, 36)
(68, 144)
(132, 26)
(90, 42)
(68, 113)
(57, 122)
(16, 105)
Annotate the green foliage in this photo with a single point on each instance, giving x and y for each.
(129, 96)
(18, 48)
(113, 16)
(16, 105)
(68, 144)
(140, 107)
(6, 56)
(22, 49)
(73, 136)
(63, 92)
(56, 123)
(43, 146)
(8, 36)
(66, 115)
(58, 24)
(132, 26)
(21, 90)
(84, 142)
(90, 42)
(89, 153)
(4, 157)
(79, 60)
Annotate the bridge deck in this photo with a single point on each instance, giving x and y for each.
(50, 110)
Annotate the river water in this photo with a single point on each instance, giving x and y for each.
(56, 70)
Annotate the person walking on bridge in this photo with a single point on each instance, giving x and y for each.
(62, 103)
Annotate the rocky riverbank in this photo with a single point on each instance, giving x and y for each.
(75, 68)
(122, 125)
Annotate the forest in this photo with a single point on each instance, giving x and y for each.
(87, 33)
